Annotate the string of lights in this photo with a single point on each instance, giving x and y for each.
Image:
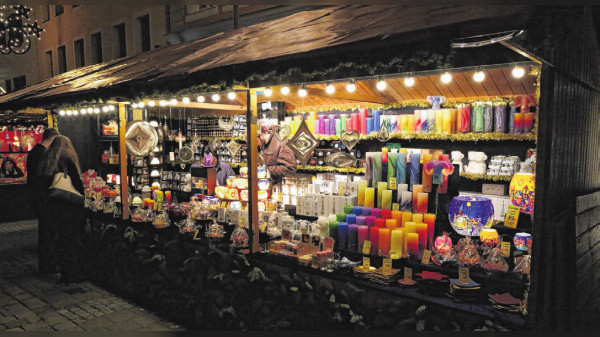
(16, 27)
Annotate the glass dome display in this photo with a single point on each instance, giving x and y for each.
(468, 215)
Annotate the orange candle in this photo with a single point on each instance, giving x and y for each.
(398, 216)
(427, 185)
(429, 219)
(412, 244)
(384, 241)
(421, 229)
(417, 217)
(454, 114)
(422, 202)
(406, 217)
(411, 123)
(416, 190)
(390, 223)
(447, 122)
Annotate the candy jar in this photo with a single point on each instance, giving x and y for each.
(214, 231)
(161, 220)
(239, 237)
(468, 255)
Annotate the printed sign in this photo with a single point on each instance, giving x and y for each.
(392, 183)
(463, 275)
(512, 216)
(366, 247)
(407, 273)
(426, 256)
(387, 266)
(505, 249)
(366, 263)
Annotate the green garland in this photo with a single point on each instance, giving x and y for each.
(462, 137)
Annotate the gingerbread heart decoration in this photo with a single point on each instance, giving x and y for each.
(349, 138)
(284, 132)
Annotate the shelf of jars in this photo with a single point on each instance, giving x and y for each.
(461, 137)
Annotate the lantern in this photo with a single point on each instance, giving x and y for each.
(522, 191)
(522, 241)
(488, 237)
(442, 244)
(468, 215)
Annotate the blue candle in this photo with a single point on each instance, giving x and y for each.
(357, 210)
(369, 125)
(376, 212)
(361, 220)
(351, 218)
(401, 168)
(415, 168)
(352, 237)
(343, 235)
(376, 120)
(366, 211)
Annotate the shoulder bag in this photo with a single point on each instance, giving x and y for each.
(62, 189)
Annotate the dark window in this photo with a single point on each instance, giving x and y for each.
(62, 59)
(121, 42)
(79, 54)
(145, 31)
(8, 85)
(96, 47)
(20, 82)
(74, 6)
(46, 13)
(58, 10)
(49, 64)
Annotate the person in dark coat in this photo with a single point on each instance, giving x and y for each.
(279, 158)
(37, 201)
(9, 169)
(67, 218)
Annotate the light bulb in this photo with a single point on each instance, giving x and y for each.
(69, 112)
(151, 103)
(446, 78)
(61, 112)
(96, 110)
(330, 89)
(155, 160)
(381, 85)
(186, 100)
(90, 110)
(155, 173)
(111, 108)
(134, 105)
(518, 72)
(231, 95)
(83, 111)
(75, 112)
(162, 102)
(173, 101)
(302, 92)
(140, 104)
(268, 92)
(409, 81)
(478, 76)
(285, 90)
(105, 109)
(350, 87)
(200, 99)
(215, 97)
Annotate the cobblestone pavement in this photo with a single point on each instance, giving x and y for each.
(33, 302)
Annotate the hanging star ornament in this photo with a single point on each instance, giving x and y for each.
(22, 10)
(35, 29)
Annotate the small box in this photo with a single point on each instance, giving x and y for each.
(493, 189)
(322, 205)
(339, 204)
(307, 205)
(350, 200)
(329, 204)
(300, 205)
(353, 188)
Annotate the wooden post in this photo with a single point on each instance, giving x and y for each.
(123, 160)
(251, 141)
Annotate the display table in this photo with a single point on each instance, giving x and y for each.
(204, 286)
(14, 201)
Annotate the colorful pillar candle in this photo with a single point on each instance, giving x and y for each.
(348, 208)
(392, 163)
(424, 121)
(376, 120)
(403, 123)
(363, 124)
(357, 210)
(417, 217)
(366, 211)
(427, 185)
(488, 117)
(422, 202)
(401, 188)
(528, 121)
(353, 237)
(453, 126)
(355, 122)
(412, 245)
(363, 234)
(439, 121)
(369, 197)
(415, 168)
(376, 167)
(401, 168)
(411, 123)
(340, 217)
(386, 214)
(350, 219)
(316, 128)
(376, 212)
(465, 118)
(380, 223)
(397, 215)
(397, 244)
(333, 231)
(386, 199)
(362, 185)
(370, 220)
(417, 119)
(421, 229)
(447, 121)
(416, 190)
(349, 124)
(406, 204)
(369, 125)
(326, 127)
(384, 241)
(311, 121)
(431, 121)
(374, 238)
(381, 186)
(518, 122)
(338, 126)
(343, 121)
(393, 124)
(390, 223)
(322, 125)
(511, 118)
(406, 217)
(342, 235)
(443, 187)
(361, 220)
(429, 219)
(500, 118)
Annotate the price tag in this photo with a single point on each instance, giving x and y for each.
(387, 266)
(426, 256)
(366, 263)
(224, 204)
(367, 247)
(407, 273)
(196, 234)
(512, 216)
(463, 275)
(392, 183)
(505, 249)
(395, 206)
(263, 228)
(172, 156)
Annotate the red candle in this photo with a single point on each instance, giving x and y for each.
(422, 231)
(518, 122)
(416, 190)
(374, 238)
(422, 202)
(429, 219)
(355, 122)
(384, 241)
(386, 214)
(363, 123)
(412, 244)
(380, 223)
(349, 124)
(465, 118)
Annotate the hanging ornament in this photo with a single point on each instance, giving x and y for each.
(383, 135)
(233, 147)
(284, 132)
(303, 143)
(140, 138)
(214, 144)
(349, 138)
(340, 159)
(226, 123)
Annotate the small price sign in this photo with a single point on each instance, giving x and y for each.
(407, 273)
(366, 263)
(224, 204)
(463, 275)
(512, 216)
(505, 249)
(392, 183)
(196, 234)
(263, 228)
(395, 206)
(426, 256)
(366, 247)
(387, 266)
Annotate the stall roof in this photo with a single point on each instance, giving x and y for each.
(297, 33)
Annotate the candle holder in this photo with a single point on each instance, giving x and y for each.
(522, 241)
(522, 191)
(488, 237)
(468, 215)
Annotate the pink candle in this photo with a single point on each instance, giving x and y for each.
(422, 240)
(384, 241)
(422, 202)
(412, 244)
(429, 219)
(417, 121)
(317, 130)
(363, 234)
(416, 190)
(374, 238)
(465, 118)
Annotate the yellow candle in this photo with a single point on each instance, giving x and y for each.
(406, 217)
(416, 190)
(439, 118)
(429, 219)
(362, 185)
(447, 121)
(454, 114)
(397, 244)
(390, 223)
(411, 123)
(386, 199)
(404, 123)
(412, 244)
(422, 202)
(417, 217)
(381, 185)
(369, 197)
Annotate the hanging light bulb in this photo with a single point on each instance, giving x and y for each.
(151, 103)
(90, 110)
(134, 105)
(302, 91)
(215, 97)
(330, 89)
(69, 112)
(446, 78)
(381, 85)
(140, 104)
(75, 112)
(200, 99)
(162, 102)
(268, 92)
(61, 112)
(231, 95)
(478, 76)
(96, 110)
(83, 111)
(518, 72)
(173, 101)
(105, 108)
(409, 81)
(111, 108)
(285, 90)
(350, 87)
(186, 100)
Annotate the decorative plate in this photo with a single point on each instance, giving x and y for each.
(226, 123)
(340, 159)
(233, 147)
(186, 155)
(140, 138)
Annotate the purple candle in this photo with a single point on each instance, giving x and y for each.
(326, 126)
(361, 220)
(352, 237)
(317, 129)
(366, 211)
(370, 220)
(363, 234)
(350, 218)
(376, 212)
(332, 124)
(343, 235)
(322, 124)
(357, 210)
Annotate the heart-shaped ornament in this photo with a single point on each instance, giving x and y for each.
(284, 132)
(349, 138)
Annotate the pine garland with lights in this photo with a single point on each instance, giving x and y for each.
(462, 137)
(473, 176)
(353, 170)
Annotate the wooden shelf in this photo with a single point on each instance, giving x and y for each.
(457, 137)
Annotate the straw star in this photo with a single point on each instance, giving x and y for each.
(427, 275)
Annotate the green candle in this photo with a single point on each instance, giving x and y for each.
(348, 208)
(333, 231)
(340, 217)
